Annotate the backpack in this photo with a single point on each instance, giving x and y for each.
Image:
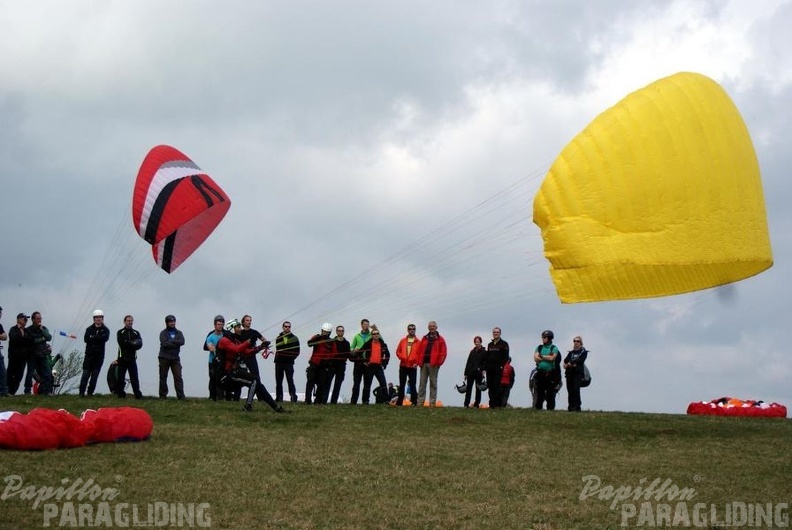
(586, 381)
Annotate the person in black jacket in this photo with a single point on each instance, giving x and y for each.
(339, 361)
(573, 370)
(38, 338)
(474, 371)
(171, 341)
(18, 355)
(287, 348)
(96, 336)
(376, 356)
(497, 355)
(129, 342)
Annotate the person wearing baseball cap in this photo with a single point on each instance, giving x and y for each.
(171, 341)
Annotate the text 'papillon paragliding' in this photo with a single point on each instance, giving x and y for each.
(175, 206)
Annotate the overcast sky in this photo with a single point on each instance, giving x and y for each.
(381, 159)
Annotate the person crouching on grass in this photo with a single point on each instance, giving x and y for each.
(235, 349)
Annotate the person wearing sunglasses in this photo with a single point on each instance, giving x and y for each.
(376, 356)
(573, 370)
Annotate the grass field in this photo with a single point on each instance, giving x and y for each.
(376, 467)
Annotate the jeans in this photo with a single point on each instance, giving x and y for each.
(339, 370)
(372, 371)
(358, 370)
(405, 375)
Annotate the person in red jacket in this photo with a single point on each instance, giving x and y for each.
(407, 352)
(317, 375)
(432, 354)
(507, 381)
(234, 350)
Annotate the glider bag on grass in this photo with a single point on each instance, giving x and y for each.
(58, 429)
(659, 195)
(175, 206)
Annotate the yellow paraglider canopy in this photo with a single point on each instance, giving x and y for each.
(659, 195)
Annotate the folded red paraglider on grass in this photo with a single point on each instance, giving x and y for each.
(727, 406)
(58, 429)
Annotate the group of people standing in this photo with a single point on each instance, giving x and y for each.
(28, 348)
(369, 356)
(490, 369)
(232, 363)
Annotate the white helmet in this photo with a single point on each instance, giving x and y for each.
(232, 324)
(98, 313)
(327, 327)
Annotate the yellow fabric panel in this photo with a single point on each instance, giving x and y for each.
(659, 195)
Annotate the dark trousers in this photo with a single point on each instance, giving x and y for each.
(505, 391)
(42, 369)
(316, 379)
(326, 384)
(494, 374)
(259, 389)
(31, 369)
(3, 376)
(339, 372)
(215, 387)
(92, 368)
(358, 370)
(372, 371)
(545, 389)
(130, 366)
(405, 375)
(285, 370)
(573, 391)
(16, 371)
(472, 384)
(174, 365)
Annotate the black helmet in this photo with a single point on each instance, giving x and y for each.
(461, 388)
(482, 386)
(547, 333)
(170, 318)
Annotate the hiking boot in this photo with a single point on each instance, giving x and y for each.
(281, 410)
(247, 408)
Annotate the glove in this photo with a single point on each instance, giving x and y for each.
(266, 343)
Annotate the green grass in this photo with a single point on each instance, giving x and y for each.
(348, 466)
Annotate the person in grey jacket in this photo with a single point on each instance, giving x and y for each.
(171, 341)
